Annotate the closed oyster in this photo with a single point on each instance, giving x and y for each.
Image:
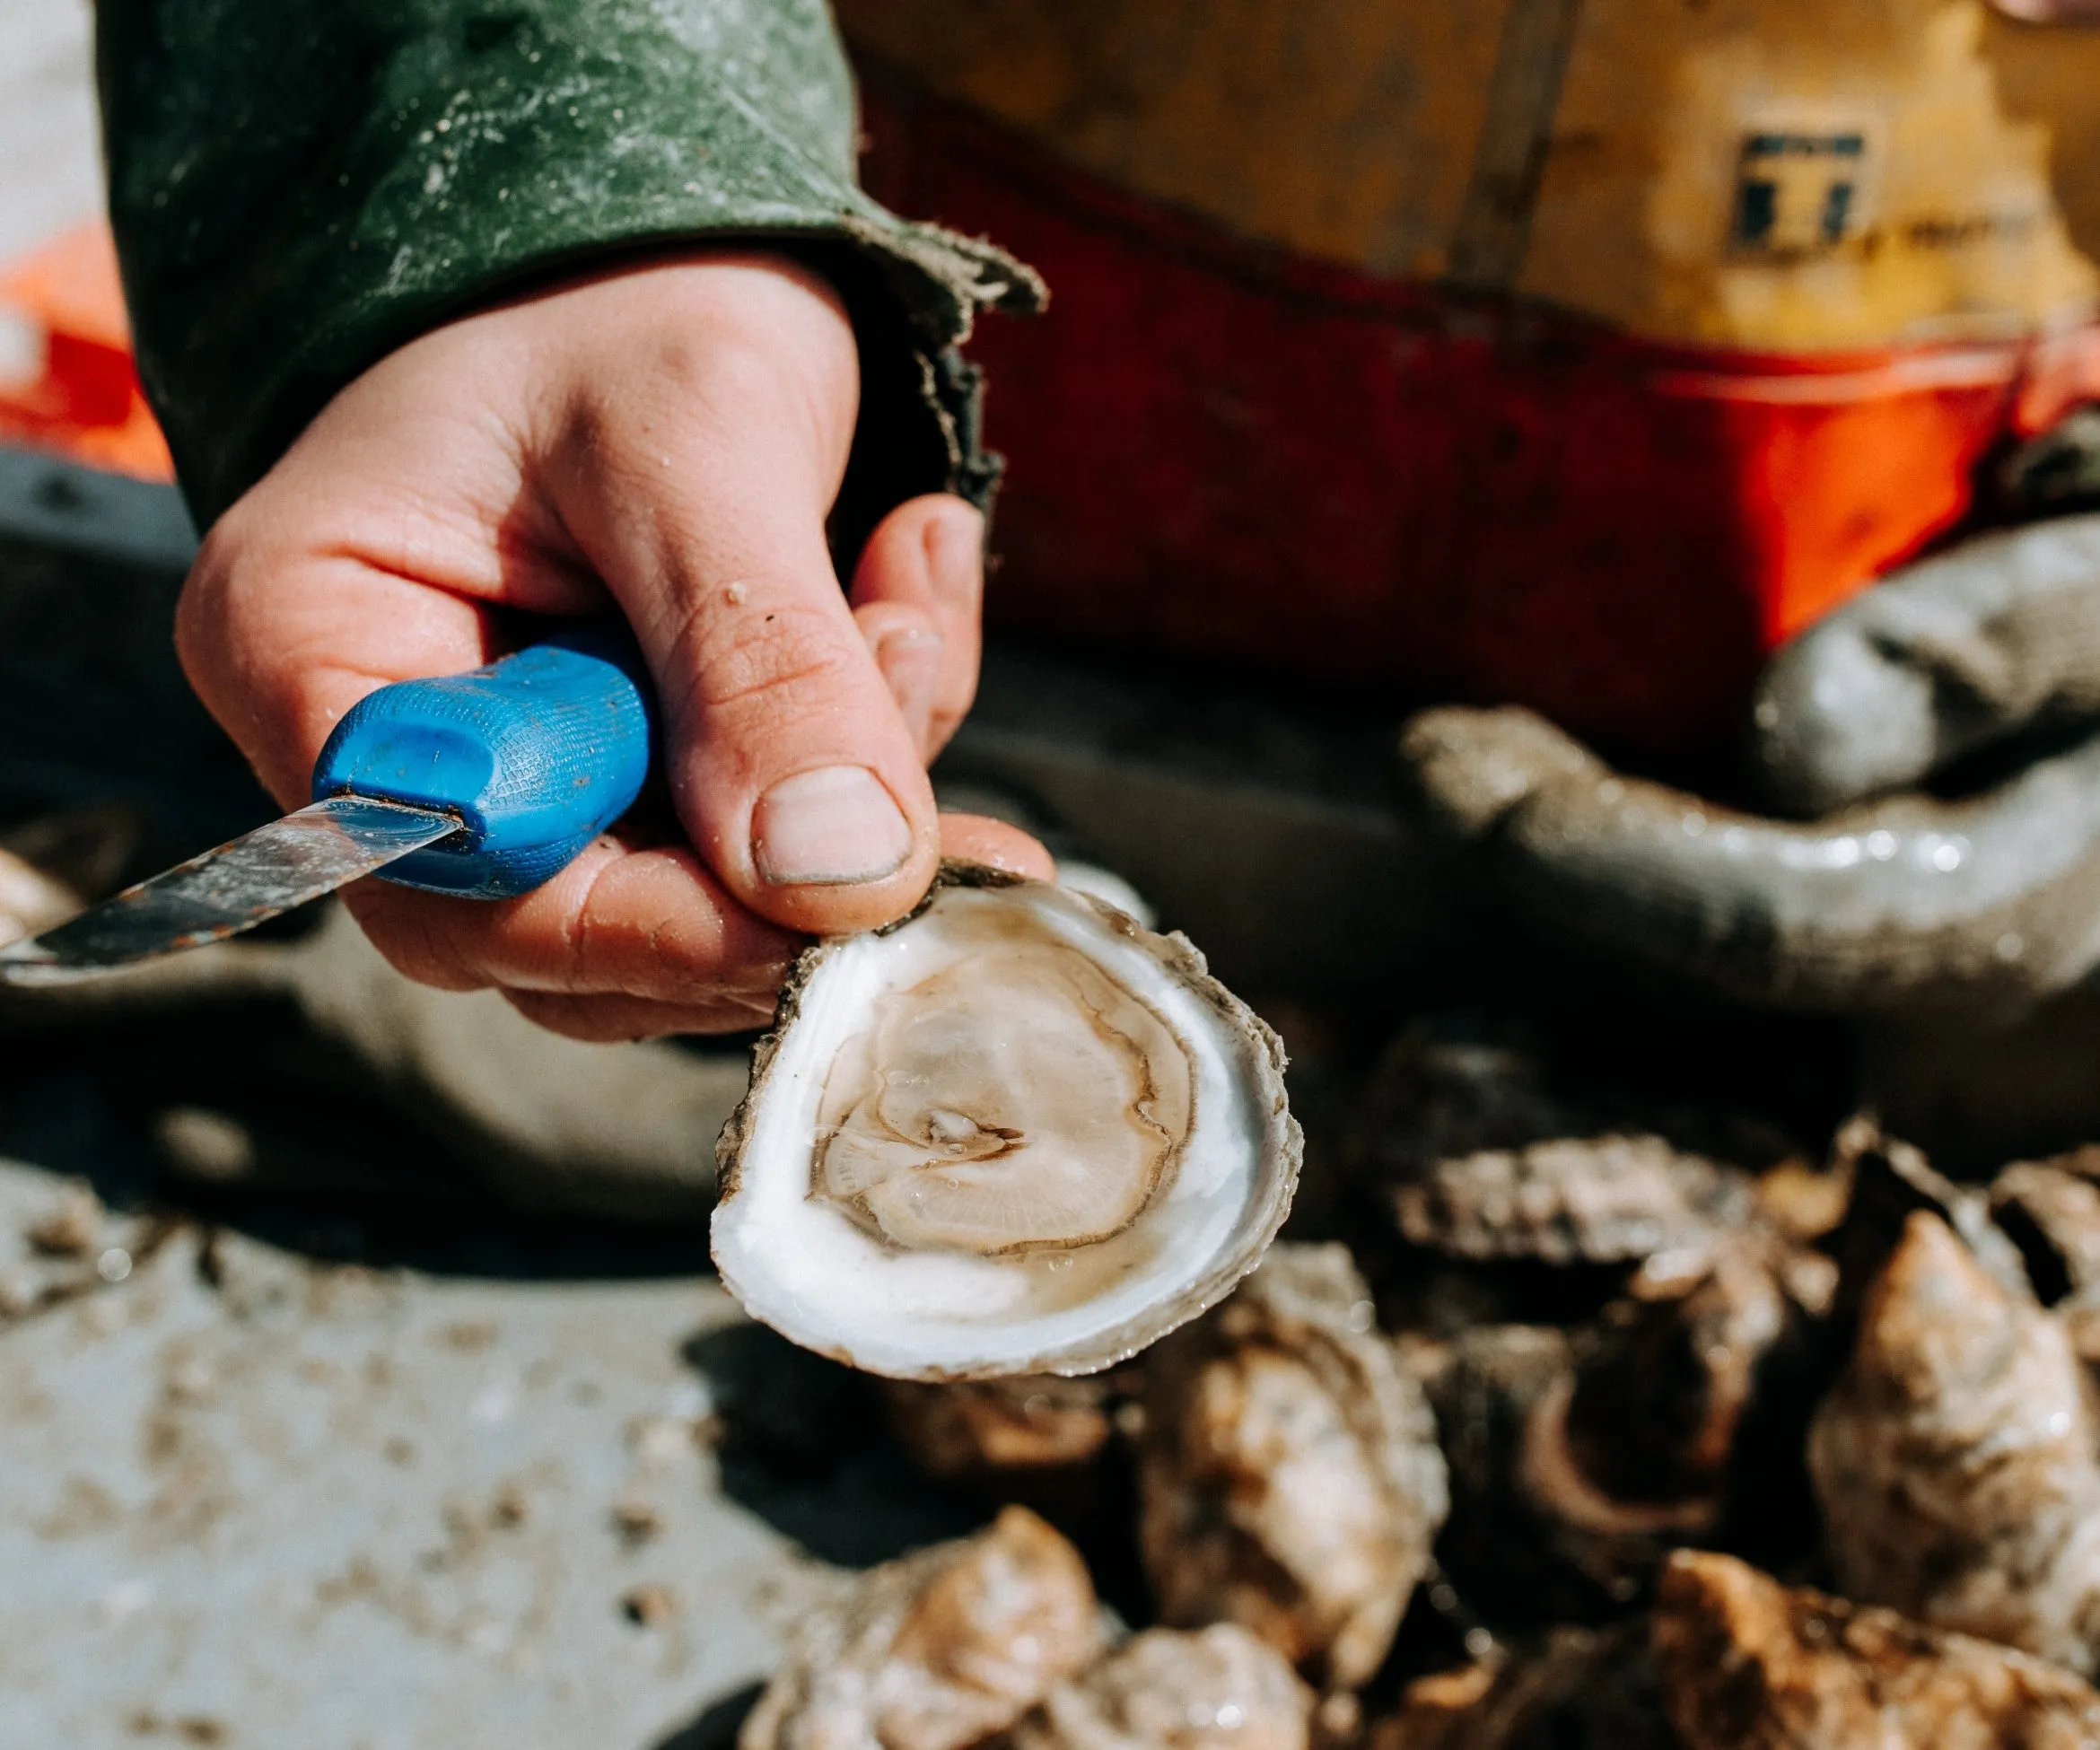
(1014, 1133)
(1485, 1155)
(1580, 1460)
(1598, 1200)
(1693, 1392)
(1219, 1688)
(983, 1432)
(2053, 1216)
(937, 1651)
(1290, 1472)
(1579, 1689)
(1524, 1543)
(1954, 1458)
(1892, 1181)
(1042, 1440)
(1748, 1664)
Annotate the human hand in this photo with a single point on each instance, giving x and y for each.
(665, 440)
(1889, 897)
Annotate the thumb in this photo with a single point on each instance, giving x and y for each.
(698, 492)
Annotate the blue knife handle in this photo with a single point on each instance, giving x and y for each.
(536, 754)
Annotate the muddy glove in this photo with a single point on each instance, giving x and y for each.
(1885, 897)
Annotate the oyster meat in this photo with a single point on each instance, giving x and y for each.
(1014, 1133)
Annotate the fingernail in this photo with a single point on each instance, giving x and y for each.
(910, 659)
(955, 553)
(829, 827)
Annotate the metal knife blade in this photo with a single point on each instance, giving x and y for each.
(245, 882)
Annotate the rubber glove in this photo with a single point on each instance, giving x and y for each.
(1975, 672)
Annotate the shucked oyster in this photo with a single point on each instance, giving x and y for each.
(1015, 1133)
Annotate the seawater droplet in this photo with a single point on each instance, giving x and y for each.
(1881, 844)
(2010, 946)
(1362, 1316)
(1231, 1716)
(113, 1265)
(1058, 1261)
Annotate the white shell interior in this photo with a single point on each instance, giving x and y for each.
(804, 1266)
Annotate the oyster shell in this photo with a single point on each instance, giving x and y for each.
(1748, 1664)
(1483, 1154)
(1892, 1181)
(2054, 1216)
(1290, 1472)
(985, 1432)
(1013, 1134)
(937, 1651)
(1580, 1459)
(1954, 1458)
(1579, 1689)
(1219, 1688)
(1695, 1392)
(1601, 1200)
(1044, 1440)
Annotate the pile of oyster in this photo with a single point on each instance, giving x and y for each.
(1551, 1422)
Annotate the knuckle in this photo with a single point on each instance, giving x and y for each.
(418, 945)
(788, 654)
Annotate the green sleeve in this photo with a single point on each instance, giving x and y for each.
(298, 186)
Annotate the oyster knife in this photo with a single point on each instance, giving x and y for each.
(483, 785)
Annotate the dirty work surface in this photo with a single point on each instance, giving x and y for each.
(253, 1498)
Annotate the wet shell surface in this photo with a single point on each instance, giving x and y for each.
(1955, 1457)
(937, 1651)
(1290, 1476)
(1218, 1688)
(1606, 1199)
(1748, 1664)
(1579, 1687)
(1016, 1132)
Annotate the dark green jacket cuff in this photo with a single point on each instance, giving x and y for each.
(297, 189)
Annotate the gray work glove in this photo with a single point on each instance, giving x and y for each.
(1877, 898)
